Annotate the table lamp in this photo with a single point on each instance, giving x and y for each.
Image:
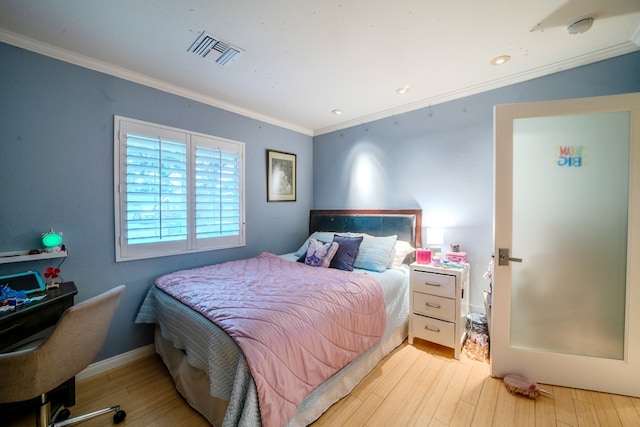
(435, 240)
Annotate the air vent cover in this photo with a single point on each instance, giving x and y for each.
(214, 49)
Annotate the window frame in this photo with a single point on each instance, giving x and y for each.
(190, 244)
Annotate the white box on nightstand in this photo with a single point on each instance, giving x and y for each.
(439, 304)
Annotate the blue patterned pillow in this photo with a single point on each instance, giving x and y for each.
(320, 254)
(347, 252)
(323, 236)
(375, 252)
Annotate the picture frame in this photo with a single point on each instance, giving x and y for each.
(281, 176)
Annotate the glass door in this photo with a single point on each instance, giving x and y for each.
(563, 310)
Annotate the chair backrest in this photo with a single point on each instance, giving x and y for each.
(73, 345)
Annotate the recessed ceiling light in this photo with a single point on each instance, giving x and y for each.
(336, 111)
(499, 60)
(402, 90)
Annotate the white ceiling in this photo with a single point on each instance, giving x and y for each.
(304, 58)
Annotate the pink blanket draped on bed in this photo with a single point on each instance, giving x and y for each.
(296, 325)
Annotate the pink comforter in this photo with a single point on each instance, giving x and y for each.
(296, 325)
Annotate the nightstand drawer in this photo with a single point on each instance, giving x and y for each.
(434, 306)
(434, 330)
(442, 285)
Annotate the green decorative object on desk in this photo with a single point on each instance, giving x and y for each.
(51, 241)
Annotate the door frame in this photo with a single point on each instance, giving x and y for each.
(612, 376)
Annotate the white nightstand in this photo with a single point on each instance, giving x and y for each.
(439, 304)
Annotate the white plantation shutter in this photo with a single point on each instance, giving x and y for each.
(176, 191)
(156, 190)
(217, 190)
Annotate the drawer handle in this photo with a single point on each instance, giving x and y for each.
(432, 329)
(432, 284)
(432, 305)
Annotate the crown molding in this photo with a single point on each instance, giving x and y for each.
(123, 73)
(51, 51)
(599, 55)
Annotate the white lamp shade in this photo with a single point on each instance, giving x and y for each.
(435, 236)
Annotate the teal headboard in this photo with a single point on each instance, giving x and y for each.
(405, 223)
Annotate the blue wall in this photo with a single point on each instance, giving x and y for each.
(440, 158)
(56, 171)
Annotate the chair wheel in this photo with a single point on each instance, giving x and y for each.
(63, 415)
(119, 417)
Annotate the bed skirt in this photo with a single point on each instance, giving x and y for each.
(193, 383)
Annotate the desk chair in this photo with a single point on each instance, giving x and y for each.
(74, 343)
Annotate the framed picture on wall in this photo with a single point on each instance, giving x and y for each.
(281, 176)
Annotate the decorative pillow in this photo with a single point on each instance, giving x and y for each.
(375, 252)
(323, 236)
(347, 252)
(320, 254)
(400, 251)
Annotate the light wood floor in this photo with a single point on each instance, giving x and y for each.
(417, 385)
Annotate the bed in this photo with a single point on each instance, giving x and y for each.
(208, 365)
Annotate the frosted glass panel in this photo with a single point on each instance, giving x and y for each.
(570, 207)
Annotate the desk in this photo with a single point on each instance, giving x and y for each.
(18, 326)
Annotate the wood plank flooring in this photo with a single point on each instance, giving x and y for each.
(417, 385)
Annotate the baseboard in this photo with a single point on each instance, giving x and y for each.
(116, 361)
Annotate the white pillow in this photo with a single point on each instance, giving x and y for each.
(400, 251)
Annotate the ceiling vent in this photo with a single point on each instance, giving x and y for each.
(214, 49)
(580, 26)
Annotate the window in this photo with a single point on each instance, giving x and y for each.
(175, 191)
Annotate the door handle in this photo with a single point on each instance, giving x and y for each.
(504, 258)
